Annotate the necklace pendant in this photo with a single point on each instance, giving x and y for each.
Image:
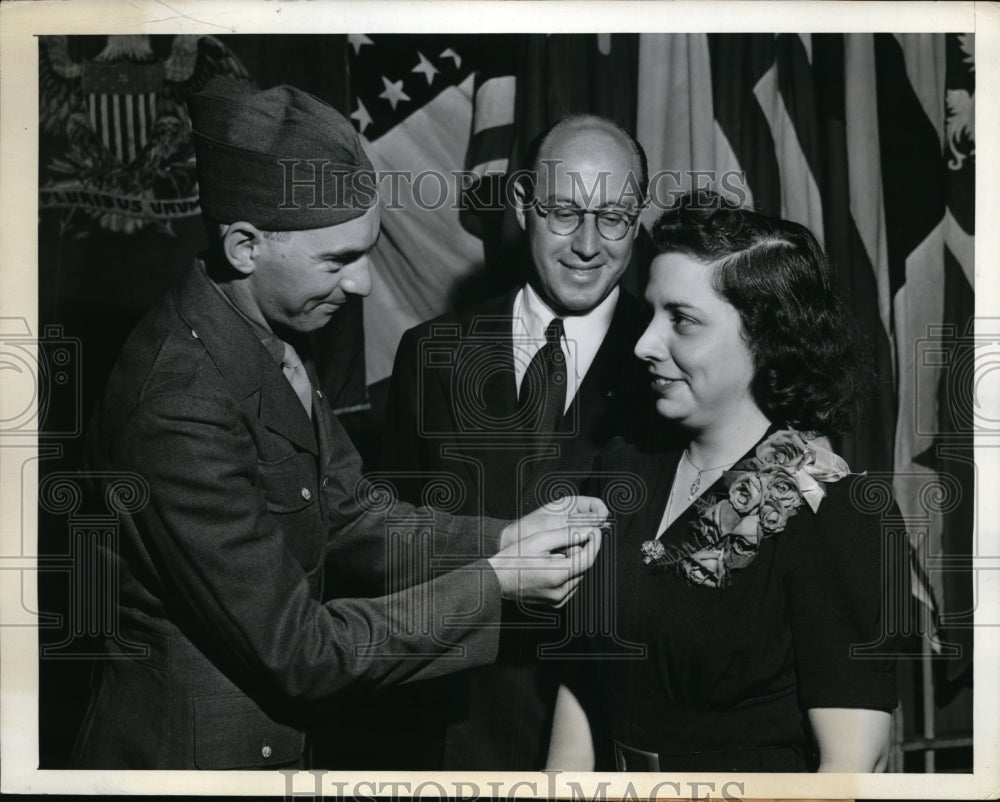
(695, 486)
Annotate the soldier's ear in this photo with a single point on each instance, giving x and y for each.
(242, 242)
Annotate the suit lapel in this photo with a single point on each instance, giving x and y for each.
(488, 329)
(250, 371)
(480, 393)
(489, 355)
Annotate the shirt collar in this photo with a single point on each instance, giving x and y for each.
(272, 342)
(586, 329)
(583, 334)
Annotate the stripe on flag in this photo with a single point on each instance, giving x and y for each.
(826, 149)
(914, 199)
(675, 123)
(912, 178)
(924, 57)
(494, 103)
(864, 164)
(786, 84)
(492, 125)
(739, 61)
(430, 105)
(423, 252)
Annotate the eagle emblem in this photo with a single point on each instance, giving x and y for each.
(124, 154)
(960, 112)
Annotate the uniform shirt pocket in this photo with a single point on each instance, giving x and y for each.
(289, 486)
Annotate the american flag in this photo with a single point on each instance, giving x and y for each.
(436, 104)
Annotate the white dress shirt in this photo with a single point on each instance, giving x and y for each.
(583, 335)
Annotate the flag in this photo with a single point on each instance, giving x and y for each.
(955, 393)
(435, 113)
(687, 142)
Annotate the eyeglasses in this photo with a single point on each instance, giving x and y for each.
(612, 224)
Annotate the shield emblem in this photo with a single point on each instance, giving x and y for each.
(121, 102)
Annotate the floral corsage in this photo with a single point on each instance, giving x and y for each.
(787, 469)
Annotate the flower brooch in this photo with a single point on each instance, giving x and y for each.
(788, 469)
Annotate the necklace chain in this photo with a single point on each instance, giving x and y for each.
(696, 484)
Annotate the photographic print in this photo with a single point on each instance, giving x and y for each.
(467, 399)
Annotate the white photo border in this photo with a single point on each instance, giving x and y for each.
(20, 24)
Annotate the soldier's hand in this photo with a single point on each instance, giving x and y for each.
(547, 552)
(567, 511)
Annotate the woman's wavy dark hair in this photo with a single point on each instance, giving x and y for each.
(811, 371)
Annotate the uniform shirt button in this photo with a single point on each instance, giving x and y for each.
(265, 751)
(326, 482)
(306, 494)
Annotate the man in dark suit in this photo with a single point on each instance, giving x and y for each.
(248, 487)
(514, 398)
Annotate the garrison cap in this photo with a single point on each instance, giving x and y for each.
(280, 158)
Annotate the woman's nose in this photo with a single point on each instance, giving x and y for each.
(651, 346)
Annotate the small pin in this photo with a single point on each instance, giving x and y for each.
(195, 334)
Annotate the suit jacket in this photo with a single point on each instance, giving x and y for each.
(452, 416)
(452, 409)
(221, 572)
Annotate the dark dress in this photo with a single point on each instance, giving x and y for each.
(729, 673)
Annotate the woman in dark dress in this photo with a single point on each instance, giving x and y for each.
(751, 578)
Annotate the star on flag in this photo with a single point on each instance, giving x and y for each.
(387, 75)
(357, 41)
(449, 53)
(362, 116)
(393, 92)
(428, 69)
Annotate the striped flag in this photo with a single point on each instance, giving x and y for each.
(949, 450)
(867, 139)
(430, 107)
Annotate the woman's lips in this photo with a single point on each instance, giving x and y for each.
(662, 384)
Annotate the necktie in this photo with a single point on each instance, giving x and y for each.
(543, 389)
(295, 372)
